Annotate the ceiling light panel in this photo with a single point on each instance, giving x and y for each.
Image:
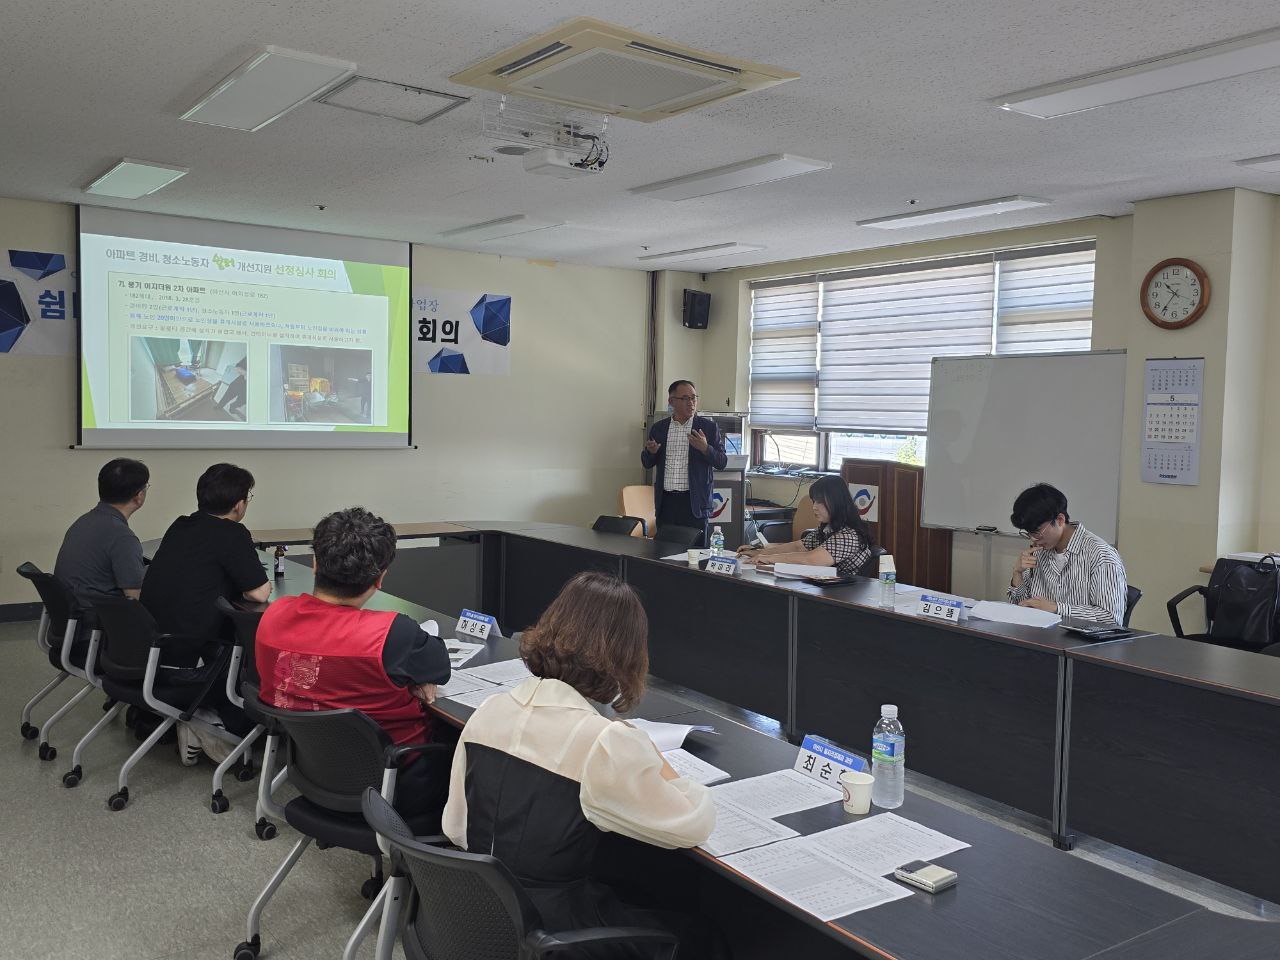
(266, 87)
(131, 179)
(395, 101)
(1259, 51)
(961, 211)
(747, 173)
(709, 252)
(1269, 164)
(499, 229)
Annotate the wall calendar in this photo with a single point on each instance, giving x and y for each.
(1174, 395)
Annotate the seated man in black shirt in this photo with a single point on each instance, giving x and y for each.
(204, 556)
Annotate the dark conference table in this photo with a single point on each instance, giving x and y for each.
(1116, 740)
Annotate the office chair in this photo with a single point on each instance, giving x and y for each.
(332, 757)
(871, 568)
(624, 525)
(1132, 596)
(1212, 594)
(685, 537)
(74, 656)
(636, 500)
(469, 906)
(130, 660)
(242, 670)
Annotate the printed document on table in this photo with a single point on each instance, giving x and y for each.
(667, 736)
(503, 672)
(816, 885)
(1012, 613)
(478, 696)
(457, 686)
(460, 651)
(691, 768)
(736, 830)
(776, 794)
(798, 571)
(878, 845)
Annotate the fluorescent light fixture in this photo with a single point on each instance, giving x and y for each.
(498, 229)
(702, 253)
(394, 101)
(747, 173)
(131, 179)
(961, 211)
(266, 87)
(1269, 164)
(1258, 51)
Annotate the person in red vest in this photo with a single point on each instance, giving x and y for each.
(324, 651)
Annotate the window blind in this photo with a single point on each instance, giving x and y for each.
(880, 331)
(784, 355)
(1044, 304)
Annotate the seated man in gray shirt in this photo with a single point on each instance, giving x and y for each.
(99, 553)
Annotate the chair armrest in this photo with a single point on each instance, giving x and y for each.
(1172, 607)
(572, 941)
(391, 756)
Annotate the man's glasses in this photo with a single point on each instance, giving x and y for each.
(1028, 535)
(692, 399)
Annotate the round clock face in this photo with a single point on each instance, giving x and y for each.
(1175, 293)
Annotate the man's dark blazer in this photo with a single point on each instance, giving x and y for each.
(702, 466)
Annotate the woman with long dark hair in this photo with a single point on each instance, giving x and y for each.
(842, 540)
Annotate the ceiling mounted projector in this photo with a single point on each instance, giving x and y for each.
(560, 164)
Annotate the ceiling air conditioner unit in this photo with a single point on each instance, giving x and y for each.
(597, 66)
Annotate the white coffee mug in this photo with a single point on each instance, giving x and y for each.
(856, 787)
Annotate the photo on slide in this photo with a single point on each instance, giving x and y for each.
(188, 380)
(329, 385)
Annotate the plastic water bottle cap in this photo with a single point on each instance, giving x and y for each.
(889, 711)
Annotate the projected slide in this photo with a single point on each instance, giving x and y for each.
(206, 343)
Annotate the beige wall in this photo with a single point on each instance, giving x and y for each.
(553, 441)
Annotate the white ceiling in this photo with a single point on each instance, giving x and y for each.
(895, 95)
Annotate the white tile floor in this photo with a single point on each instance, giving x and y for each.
(163, 879)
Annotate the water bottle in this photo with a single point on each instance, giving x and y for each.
(279, 570)
(888, 582)
(717, 541)
(888, 759)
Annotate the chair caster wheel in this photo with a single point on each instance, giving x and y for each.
(219, 803)
(47, 752)
(248, 949)
(118, 800)
(369, 889)
(245, 772)
(72, 777)
(265, 829)
(29, 732)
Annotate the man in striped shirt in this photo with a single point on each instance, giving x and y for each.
(1066, 569)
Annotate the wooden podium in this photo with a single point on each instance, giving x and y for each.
(922, 556)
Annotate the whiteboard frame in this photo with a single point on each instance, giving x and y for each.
(986, 531)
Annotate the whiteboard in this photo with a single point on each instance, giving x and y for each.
(997, 425)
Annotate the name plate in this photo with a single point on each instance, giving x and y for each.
(940, 608)
(821, 760)
(473, 624)
(726, 566)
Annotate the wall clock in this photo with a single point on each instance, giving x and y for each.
(1175, 293)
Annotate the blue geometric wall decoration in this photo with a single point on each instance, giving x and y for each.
(448, 361)
(13, 315)
(492, 317)
(36, 265)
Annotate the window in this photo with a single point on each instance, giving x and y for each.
(849, 354)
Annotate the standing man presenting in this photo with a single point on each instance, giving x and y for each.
(687, 450)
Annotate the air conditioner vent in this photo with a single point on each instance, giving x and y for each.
(596, 66)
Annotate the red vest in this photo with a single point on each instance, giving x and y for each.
(314, 655)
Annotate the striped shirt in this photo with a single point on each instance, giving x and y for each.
(849, 552)
(675, 470)
(1086, 580)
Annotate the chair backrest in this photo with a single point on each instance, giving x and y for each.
(245, 623)
(872, 567)
(636, 500)
(470, 907)
(127, 631)
(804, 519)
(607, 524)
(686, 537)
(333, 755)
(1132, 596)
(59, 603)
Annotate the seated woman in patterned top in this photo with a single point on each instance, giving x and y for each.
(843, 539)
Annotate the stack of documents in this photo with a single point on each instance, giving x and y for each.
(474, 685)
(1011, 613)
(799, 571)
(668, 736)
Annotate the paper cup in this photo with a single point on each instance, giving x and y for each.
(693, 556)
(856, 787)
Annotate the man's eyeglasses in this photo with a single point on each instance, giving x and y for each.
(692, 399)
(1028, 535)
